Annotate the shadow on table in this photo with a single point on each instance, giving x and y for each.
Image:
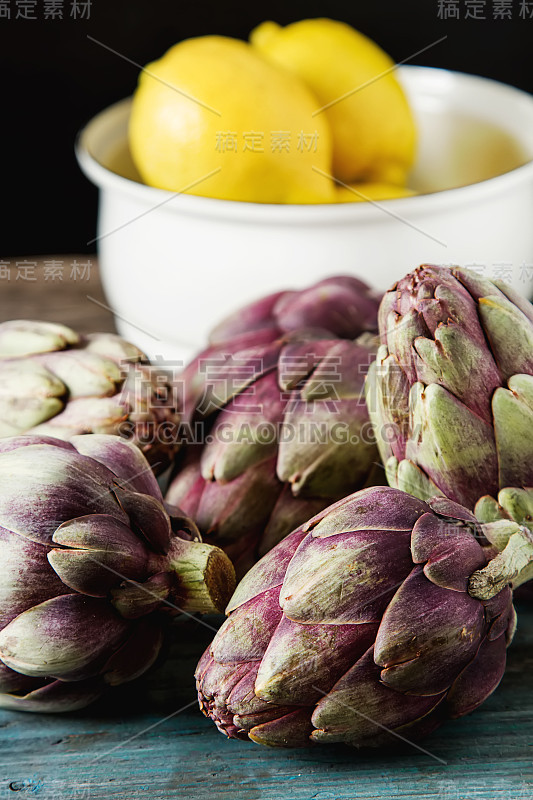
(496, 726)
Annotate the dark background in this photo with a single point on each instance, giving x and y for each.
(55, 79)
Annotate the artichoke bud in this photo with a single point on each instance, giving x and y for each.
(360, 623)
(88, 566)
(464, 347)
(508, 525)
(54, 382)
(517, 504)
(282, 383)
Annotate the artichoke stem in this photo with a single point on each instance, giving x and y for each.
(205, 576)
(514, 565)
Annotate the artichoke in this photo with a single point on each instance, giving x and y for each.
(285, 432)
(54, 382)
(92, 565)
(361, 624)
(451, 392)
(343, 306)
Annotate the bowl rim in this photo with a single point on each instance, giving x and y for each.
(198, 205)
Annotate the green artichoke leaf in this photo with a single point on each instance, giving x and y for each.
(401, 332)
(454, 447)
(477, 284)
(332, 448)
(293, 728)
(21, 337)
(499, 532)
(133, 600)
(391, 473)
(487, 509)
(408, 477)
(518, 504)
(113, 347)
(510, 334)
(387, 400)
(247, 632)
(464, 366)
(85, 374)
(29, 395)
(513, 427)
(515, 297)
(268, 573)
(102, 415)
(245, 431)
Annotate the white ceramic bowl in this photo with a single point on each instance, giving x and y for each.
(172, 266)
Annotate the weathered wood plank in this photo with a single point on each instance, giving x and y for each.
(63, 288)
(138, 745)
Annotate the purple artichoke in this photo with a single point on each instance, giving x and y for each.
(57, 383)
(360, 625)
(342, 306)
(286, 432)
(451, 392)
(92, 565)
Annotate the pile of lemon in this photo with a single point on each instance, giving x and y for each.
(309, 113)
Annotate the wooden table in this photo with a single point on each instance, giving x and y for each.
(58, 288)
(139, 744)
(147, 740)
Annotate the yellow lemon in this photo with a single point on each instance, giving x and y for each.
(359, 192)
(213, 117)
(371, 123)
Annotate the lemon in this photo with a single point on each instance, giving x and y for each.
(213, 117)
(372, 126)
(359, 192)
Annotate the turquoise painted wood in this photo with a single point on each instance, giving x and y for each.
(139, 744)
